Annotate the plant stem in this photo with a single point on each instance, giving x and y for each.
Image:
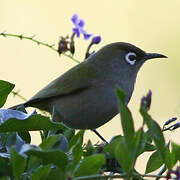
(18, 95)
(122, 176)
(37, 42)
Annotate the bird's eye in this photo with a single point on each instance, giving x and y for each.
(130, 58)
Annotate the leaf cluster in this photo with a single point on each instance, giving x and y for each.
(64, 155)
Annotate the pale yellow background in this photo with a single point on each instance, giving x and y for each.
(151, 25)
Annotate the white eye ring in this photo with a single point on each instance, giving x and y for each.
(127, 57)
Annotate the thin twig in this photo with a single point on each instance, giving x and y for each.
(16, 93)
(37, 42)
(123, 176)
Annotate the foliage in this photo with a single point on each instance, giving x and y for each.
(65, 156)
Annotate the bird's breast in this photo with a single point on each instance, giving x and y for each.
(88, 109)
(91, 107)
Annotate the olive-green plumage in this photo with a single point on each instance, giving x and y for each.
(84, 96)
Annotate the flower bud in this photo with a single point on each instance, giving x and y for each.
(96, 39)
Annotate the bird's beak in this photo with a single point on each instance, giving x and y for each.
(154, 55)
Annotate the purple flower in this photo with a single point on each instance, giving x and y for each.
(146, 101)
(176, 172)
(79, 27)
(96, 39)
(170, 121)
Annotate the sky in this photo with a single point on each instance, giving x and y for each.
(153, 26)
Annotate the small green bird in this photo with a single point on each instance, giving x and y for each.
(84, 97)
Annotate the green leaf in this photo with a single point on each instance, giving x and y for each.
(18, 163)
(176, 149)
(90, 148)
(69, 133)
(55, 142)
(76, 139)
(110, 148)
(126, 118)
(6, 168)
(146, 143)
(5, 89)
(77, 153)
(33, 163)
(158, 138)
(124, 156)
(50, 142)
(138, 143)
(146, 118)
(34, 123)
(56, 174)
(90, 165)
(149, 147)
(155, 162)
(5, 178)
(11, 139)
(160, 143)
(41, 173)
(25, 135)
(55, 157)
(176, 152)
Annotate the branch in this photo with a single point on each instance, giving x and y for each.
(37, 42)
(16, 93)
(97, 176)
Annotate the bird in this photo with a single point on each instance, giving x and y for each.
(84, 97)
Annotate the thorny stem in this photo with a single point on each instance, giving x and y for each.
(37, 42)
(18, 95)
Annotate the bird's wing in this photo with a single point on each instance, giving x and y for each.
(74, 80)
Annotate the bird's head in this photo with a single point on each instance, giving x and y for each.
(125, 56)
